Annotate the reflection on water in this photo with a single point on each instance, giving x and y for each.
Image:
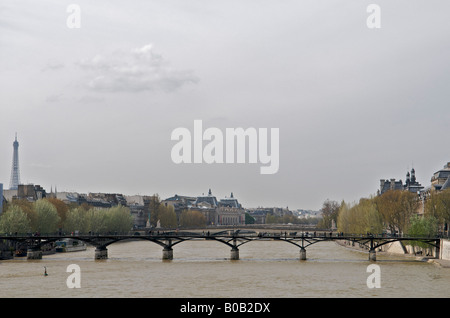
(203, 269)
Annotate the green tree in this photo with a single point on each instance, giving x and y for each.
(271, 219)
(77, 219)
(361, 218)
(387, 204)
(28, 208)
(422, 227)
(409, 204)
(396, 208)
(47, 217)
(96, 221)
(167, 216)
(192, 218)
(118, 219)
(85, 219)
(249, 219)
(14, 220)
(61, 208)
(445, 199)
(154, 205)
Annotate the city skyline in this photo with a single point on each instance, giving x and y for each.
(94, 107)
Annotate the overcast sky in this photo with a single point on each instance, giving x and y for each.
(94, 107)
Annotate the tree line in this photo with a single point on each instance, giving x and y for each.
(165, 216)
(50, 215)
(394, 212)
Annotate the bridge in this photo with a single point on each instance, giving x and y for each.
(232, 238)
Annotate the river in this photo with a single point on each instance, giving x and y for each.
(266, 269)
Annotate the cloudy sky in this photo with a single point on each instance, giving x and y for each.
(94, 107)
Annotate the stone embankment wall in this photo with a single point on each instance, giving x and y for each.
(398, 248)
(445, 250)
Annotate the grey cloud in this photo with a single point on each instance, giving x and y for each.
(53, 66)
(140, 69)
(53, 98)
(86, 99)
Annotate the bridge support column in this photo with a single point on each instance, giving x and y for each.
(234, 255)
(101, 253)
(302, 254)
(167, 253)
(372, 255)
(34, 253)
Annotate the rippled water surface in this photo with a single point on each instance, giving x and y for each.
(203, 269)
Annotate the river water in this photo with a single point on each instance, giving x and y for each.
(266, 269)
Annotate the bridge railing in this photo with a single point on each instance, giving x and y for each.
(230, 233)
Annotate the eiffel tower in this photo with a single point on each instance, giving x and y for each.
(15, 173)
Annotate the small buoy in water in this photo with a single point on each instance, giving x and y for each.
(45, 271)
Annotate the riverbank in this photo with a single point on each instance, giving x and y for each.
(440, 262)
(399, 249)
(395, 249)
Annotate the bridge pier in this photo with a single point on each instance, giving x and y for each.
(234, 255)
(34, 253)
(372, 255)
(302, 254)
(101, 253)
(167, 253)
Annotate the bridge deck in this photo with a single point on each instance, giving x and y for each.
(234, 239)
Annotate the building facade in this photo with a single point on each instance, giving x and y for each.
(410, 185)
(441, 178)
(227, 211)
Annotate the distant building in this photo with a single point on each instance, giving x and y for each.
(30, 192)
(305, 214)
(207, 200)
(138, 204)
(410, 185)
(230, 202)
(227, 211)
(96, 200)
(441, 179)
(230, 216)
(259, 215)
(392, 184)
(179, 204)
(105, 200)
